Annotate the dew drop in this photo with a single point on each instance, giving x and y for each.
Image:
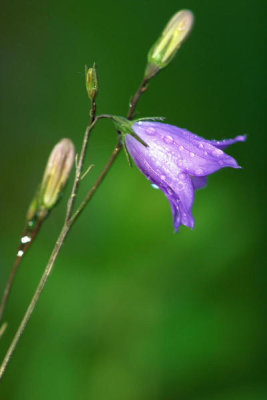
(25, 239)
(163, 177)
(192, 154)
(20, 253)
(217, 152)
(154, 186)
(150, 130)
(199, 171)
(201, 145)
(181, 148)
(180, 163)
(182, 176)
(168, 139)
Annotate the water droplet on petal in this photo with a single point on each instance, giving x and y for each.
(163, 177)
(192, 154)
(154, 186)
(201, 145)
(182, 176)
(20, 253)
(180, 163)
(150, 130)
(199, 171)
(168, 139)
(181, 148)
(170, 191)
(217, 152)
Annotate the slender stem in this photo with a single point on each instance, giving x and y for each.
(35, 298)
(3, 329)
(67, 226)
(99, 180)
(136, 98)
(22, 249)
(81, 162)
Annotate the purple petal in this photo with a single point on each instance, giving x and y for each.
(161, 171)
(181, 197)
(222, 144)
(191, 153)
(189, 136)
(178, 162)
(199, 181)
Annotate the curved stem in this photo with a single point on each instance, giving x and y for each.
(69, 221)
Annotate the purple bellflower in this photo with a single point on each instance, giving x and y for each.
(177, 162)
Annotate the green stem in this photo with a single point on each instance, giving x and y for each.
(79, 168)
(69, 221)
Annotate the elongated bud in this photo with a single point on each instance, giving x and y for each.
(165, 48)
(55, 177)
(91, 82)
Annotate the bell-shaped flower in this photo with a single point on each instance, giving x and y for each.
(177, 162)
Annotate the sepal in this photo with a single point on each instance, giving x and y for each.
(124, 127)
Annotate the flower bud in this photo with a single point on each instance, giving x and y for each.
(91, 82)
(55, 177)
(165, 48)
(57, 172)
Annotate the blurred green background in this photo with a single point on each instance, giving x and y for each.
(133, 311)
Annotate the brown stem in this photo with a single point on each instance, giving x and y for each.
(99, 180)
(22, 250)
(81, 162)
(35, 298)
(67, 226)
(136, 98)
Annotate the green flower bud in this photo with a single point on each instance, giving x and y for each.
(55, 177)
(165, 48)
(91, 82)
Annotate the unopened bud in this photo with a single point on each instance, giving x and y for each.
(165, 48)
(55, 177)
(91, 82)
(57, 172)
